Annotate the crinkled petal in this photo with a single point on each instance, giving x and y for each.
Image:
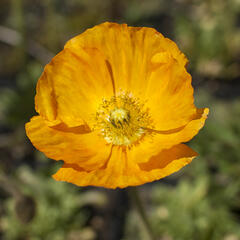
(168, 161)
(72, 145)
(107, 176)
(152, 145)
(72, 86)
(171, 102)
(128, 51)
(121, 172)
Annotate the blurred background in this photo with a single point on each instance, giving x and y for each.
(201, 202)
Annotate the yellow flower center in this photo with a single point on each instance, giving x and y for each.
(122, 119)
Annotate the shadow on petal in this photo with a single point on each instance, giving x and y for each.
(181, 153)
(79, 129)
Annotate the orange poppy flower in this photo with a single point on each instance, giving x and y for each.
(116, 105)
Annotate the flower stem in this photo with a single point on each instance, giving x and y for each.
(133, 191)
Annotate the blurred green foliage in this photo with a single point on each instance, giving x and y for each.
(201, 202)
(58, 210)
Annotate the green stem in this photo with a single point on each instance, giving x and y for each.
(133, 191)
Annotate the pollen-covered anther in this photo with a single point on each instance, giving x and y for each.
(122, 120)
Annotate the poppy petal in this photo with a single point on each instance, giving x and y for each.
(72, 145)
(72, 87)
(128, 51)
(171, 102)
(121, 172)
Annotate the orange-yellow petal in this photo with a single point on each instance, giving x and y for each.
(121, 172)
(45, 100)
(72, 86)
(72, 145)
(167, 162)
(169, 94)
(151, 146)
(128, 51)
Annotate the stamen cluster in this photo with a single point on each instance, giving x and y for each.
(122, 119)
